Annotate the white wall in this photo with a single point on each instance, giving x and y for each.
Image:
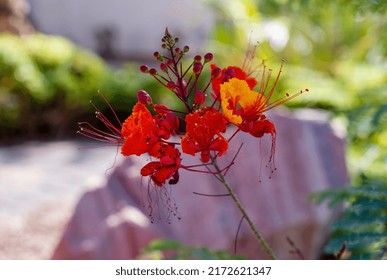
(138, 24)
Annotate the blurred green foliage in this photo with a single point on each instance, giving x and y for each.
(172, 249)
(362, 226)
(46, 84)
(338, 50)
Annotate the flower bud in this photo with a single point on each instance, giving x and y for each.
(169, 62)
(144, 98)
(216, 73)
(229, 74)
(163, 67)
(197, 68)
(208, 57)
(197, 58)
(199, 97)
(144, 68)
(186, 49)
(153, 71)
(171, 85)
(172, 120)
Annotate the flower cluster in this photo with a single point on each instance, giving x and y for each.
(230, 96)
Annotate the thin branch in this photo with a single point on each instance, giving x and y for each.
(237, 233)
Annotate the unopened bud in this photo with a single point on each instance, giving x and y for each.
(171, 85)
(144, 98)
(153, 71)
(197, 58)
(169, 62)
(216, 73)
(197, 68)
(199, 97)
(172, 120)
(163, 67)
(178, 51)
(144, 68)
(208, 57)
(229, 74)
(186, 49)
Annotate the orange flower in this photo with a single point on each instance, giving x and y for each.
(229, 73)
(239, 102)
(203, 135)
(244, 107)
(167, 167)
(140, 132)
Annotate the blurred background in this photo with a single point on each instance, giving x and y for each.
(55, 56)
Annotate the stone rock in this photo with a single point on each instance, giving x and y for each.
(13, 17)
(112, 220)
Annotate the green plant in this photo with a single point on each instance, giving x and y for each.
(43, 80)
(172, 249)
(46, 84)
(363, 223)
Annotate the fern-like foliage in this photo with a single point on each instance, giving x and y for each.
(363, 223)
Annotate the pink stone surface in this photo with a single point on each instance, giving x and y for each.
(112, 221)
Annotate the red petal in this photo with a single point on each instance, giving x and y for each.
(220, 144)
(161, 175)
(150, 168)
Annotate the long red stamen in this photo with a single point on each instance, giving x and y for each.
(113, 135)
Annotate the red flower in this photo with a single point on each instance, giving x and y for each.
(140, 132)
(203, 133)
(167, 121)
(167, 167)
(229, 73)
(262, 126)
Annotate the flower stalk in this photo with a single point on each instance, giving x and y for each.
(243, 211)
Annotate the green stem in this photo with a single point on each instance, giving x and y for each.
(256, 232)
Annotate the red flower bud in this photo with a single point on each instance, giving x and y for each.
(172, 120)
(144, 98)
(197, 58)
(144, 68)
(199, 97)
(208, 57)
(178, 51)
(216, 73)
(169, 62)
(171, 85)
(163, 67)
(197, 68)
(153, 71)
